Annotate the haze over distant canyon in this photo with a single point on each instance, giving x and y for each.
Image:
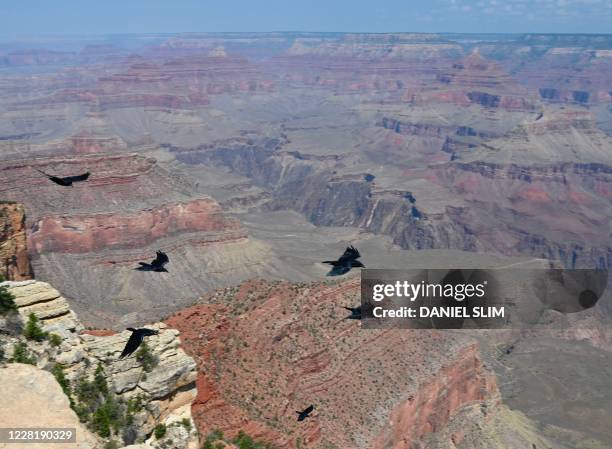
(251, 157)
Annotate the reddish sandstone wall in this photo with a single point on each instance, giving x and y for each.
(267, 349)
(87, 233)
(14, 261)
(463, 381)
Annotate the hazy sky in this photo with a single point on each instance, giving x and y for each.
(26, 18)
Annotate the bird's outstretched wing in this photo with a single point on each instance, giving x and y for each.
(77, 178)
(143, 266)
(161, 259)
(42, 172)
(350, 254)
(304, 413)
(132, 344)
(55, 179)
(355, 313)
(339, 270)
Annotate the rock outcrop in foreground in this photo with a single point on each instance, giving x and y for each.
(33, 398)
(147, 390)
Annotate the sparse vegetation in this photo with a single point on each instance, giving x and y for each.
(107, 418)
(160, 431)
(96, 405)
(134, 406)
(213, 437)
(100, 380)
(55, 340)
(186, 423)
(7, 300)
(216, 434)
(32, 330)
(58, 372)
(21, 354)
(112, 444)
(216, 440)
(146, 358)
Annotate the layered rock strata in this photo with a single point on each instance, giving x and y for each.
(14, 261)
(267, 349)
(165, 391)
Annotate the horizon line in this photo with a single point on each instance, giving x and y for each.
(382, 33)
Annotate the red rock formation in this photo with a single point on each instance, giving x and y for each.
(476, 80)
(89, 233)
(80, 219)
(127, 209)
(14, 261)
(83, 143)
(174, 75)
(545, 198)
(266, 349)
(417, 69)
(365, 63)
(569, 75)
(121, 180)
(163, 79)
(430, 409)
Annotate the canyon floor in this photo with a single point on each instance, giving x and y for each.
(250, 158)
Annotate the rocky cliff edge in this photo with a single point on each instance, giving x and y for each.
(143, 399)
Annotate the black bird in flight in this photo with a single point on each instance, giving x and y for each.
(157, 264)
(135, 339)
(66, 181)
(304, 413)
(355, 313)
(344, 264)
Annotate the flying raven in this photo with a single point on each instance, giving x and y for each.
(135, 339)
(304, 413)
(344, 264)
(355, 313)
(66, 181)
(157, 264)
